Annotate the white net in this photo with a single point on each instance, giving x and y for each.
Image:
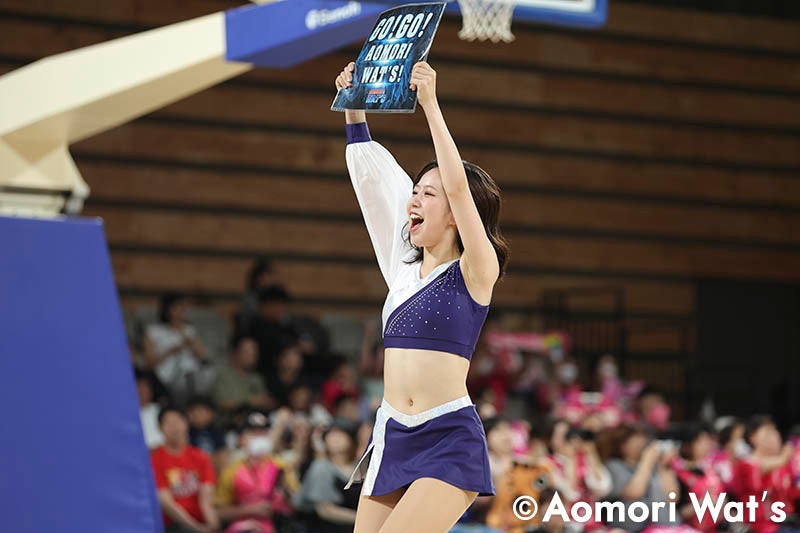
(487, 20)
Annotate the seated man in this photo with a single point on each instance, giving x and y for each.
(252, 491)
(238, 384)
(184, 478)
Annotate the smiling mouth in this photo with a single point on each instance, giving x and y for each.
(416, 222)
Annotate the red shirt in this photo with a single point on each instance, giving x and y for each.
(331, 390)
(183, 474)
(750, 480)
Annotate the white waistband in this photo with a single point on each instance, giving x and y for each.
(424, 416)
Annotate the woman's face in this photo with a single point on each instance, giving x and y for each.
(702, 446)
(430, 218)
(767, 440)
(177, 311)
(338, 442)
(633, 447)
(501, 439)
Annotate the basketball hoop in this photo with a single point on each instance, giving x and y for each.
(487, 20)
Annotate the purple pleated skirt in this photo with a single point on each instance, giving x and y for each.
(446, 442)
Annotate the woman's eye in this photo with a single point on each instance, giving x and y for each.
(428, 194)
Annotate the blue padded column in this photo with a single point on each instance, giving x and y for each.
(72, 453)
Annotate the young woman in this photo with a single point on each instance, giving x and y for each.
(174, 352)
(440, 250)
(695, 475)
(640, 472)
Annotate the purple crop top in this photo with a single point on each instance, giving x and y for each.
(435, 312)
(441, 316)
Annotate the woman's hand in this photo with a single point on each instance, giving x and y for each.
(423, 80)
(345, 77)
(343, 81)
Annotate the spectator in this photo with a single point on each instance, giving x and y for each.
(173, 350)
(185, 478)
(203, 431)
(148, 410)
(562, 395)
(300, 398)
(731, 448)
(251, 492)
(237, 384)
(766, 470)
(302, 404)
(576, 464)
(695, 475)
(294, 452)
(260, 275)
(346, 412)
(639, 471)
(288, 373)
(341, 381)
(270, 328)
(652, 410)
(332, 509)
(499, 439)
(159, 393)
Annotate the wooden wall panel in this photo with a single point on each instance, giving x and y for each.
(348, 240)
(308, 279)
(208, 144)
(271, 193)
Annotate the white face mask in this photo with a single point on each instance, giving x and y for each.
(258, 446)
(741, 449)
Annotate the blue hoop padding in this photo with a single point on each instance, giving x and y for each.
(284, 34)
(72, 452)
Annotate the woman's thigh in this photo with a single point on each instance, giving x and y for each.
(373, 510)
(428, 506)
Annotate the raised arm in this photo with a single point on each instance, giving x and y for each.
(382, 188)
(479, 259)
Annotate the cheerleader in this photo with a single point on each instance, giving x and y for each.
(438, 244)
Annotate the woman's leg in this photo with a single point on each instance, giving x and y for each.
(373, 510)
(428, 506)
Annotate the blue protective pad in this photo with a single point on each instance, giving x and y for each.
(283, 34)
(593, 16)
(72, 452)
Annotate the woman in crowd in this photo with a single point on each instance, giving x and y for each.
(640, 472)
(173, 350)
(575, 463)
(766, 475)
(332, 509)
(695, 475)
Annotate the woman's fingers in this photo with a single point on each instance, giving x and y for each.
(345, 78)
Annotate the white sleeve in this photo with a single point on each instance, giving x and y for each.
(382, 188)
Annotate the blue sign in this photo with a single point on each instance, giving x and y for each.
(400, 38)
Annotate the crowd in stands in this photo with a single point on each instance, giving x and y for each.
(265, 442)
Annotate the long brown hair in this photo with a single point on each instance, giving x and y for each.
(486, 195)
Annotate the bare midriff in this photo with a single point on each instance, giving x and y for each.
(418, 380)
